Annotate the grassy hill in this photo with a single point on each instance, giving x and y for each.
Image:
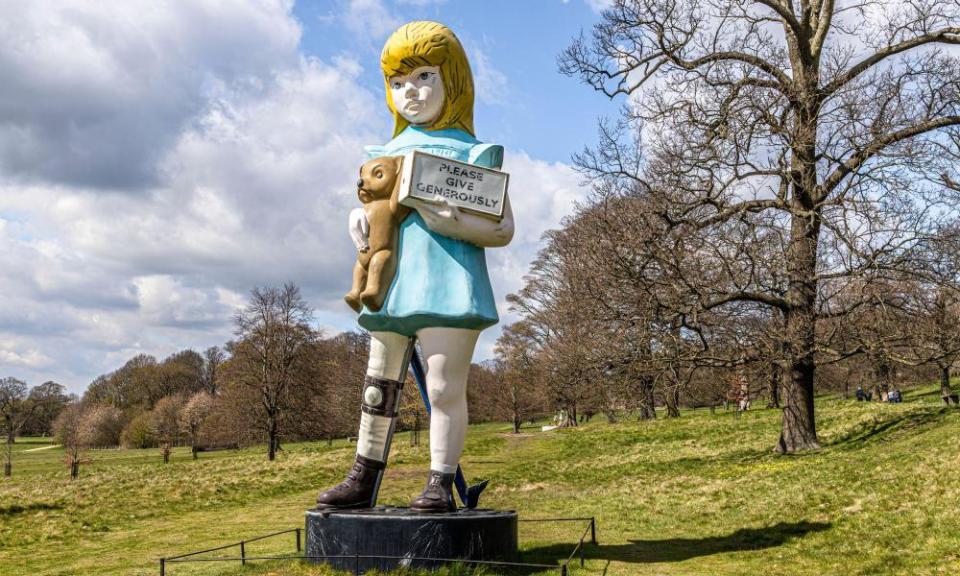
(700, 495)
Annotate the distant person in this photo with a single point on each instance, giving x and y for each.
(861, 395)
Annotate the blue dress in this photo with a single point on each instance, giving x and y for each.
(440, 281)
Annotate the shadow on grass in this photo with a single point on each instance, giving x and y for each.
(14, 509)
(879, 428)
(679, 549)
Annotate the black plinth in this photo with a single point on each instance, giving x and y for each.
(409, 536)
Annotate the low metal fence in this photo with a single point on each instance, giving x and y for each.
(189, 556)
(563, 568)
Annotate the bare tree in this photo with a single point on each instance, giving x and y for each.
(101, 426)
(560, 326)
(47, 400)
(192, 415)
(15, 409)
(519, 391)
(805, 119)
(213, 357)
(165, 422)
(68, 430)
(938, 334)
(273, 333)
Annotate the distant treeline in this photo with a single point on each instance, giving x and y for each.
(280, 380)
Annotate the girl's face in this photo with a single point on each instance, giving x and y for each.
(418, 96)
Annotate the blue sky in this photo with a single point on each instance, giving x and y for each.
(159, 160)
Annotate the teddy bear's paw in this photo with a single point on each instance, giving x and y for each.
(372, 300)
(353, 300)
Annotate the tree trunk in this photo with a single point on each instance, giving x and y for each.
(647, 407)
(571, 416)
(272, 438)
(882, 373)
(672, 400)
(773, 385)
(516, 423)
(193, 450)
(74, 469)
(945, 389)
(799, 431)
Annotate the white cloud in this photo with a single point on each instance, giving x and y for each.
(598, 6)
(492, 86)
(421, 3)
(11, 353)
(95, 91)
(370, 18)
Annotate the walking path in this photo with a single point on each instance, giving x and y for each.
(43, 448)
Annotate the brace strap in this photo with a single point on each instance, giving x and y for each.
(381, 397)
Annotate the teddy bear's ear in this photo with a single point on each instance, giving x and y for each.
(397, 179)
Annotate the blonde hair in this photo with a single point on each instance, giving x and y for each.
(426, 43)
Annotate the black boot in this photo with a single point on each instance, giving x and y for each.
(437, 496)
(357, 490)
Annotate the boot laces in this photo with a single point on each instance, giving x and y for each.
(352, 475)
(355, 471)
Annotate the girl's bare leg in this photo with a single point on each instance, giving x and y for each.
(447, 353)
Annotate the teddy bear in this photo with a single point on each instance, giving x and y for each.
(378, 189)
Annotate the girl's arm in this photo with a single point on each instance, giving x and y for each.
(448, 220)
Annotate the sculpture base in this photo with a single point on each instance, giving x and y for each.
(351, 538)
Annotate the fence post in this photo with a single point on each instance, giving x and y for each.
(298, 540)
(593, 530)
(356, 564)
(581, 552)
(563, 570)
(243, 553)
(163, 567)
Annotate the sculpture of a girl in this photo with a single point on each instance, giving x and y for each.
(441, 294)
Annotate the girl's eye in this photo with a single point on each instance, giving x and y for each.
(424, 75)
(396, 85)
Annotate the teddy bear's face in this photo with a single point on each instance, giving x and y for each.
(377, 178)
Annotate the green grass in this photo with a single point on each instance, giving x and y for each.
(700, 495)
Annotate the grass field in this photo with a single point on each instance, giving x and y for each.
(702, 495)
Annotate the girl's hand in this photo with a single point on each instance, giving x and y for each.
(441, 216)
(359, 229)
(448, 220)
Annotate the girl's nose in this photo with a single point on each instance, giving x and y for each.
(411, 90)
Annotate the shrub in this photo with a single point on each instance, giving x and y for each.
(139, 432)
(101, 426)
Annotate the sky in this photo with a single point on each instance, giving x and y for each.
(158, 160)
